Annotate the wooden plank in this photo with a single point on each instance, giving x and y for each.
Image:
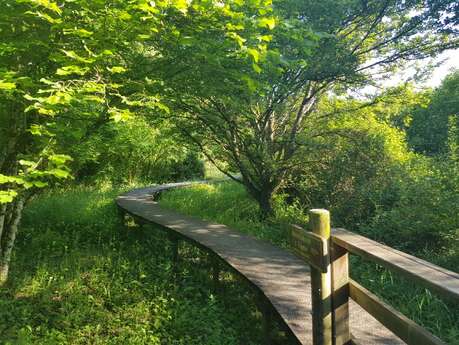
(340, 294)
(409, 331)
(443, 281)
(322, 334)
(309, 247)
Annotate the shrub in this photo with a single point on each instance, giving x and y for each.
(353, 173)
(135, 152)
(425, 216)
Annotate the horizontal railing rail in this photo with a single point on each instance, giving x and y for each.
(443, 281)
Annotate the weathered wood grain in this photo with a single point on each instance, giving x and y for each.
(310, 247)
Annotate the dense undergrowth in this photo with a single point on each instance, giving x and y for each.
(228, 203)
(80, 277)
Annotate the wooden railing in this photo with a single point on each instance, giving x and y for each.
(327, 251)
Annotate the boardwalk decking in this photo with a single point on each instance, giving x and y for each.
(282, 277)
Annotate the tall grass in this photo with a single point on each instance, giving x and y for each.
(79, 276)
(229, 204)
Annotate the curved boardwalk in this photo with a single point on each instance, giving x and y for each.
(280, 276)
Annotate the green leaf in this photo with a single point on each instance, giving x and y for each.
(45, 16)
(72, 69)
(59, 173)
(147, 7)
(58, 98)
(265, 38)
(117, 69)
(240, 41)
(47, 81)
(73, 55)
(254, 54)
(181, 5)
(93, 98)
(7, 86)
(83, 33)
(26, 163)
(7, 196)
(118, 115)
(251, 84)
(10, 179)
(60, 159)
(45, 111)
(256, 68)
(270, 23)
(40, 184)
(143, 37)
(37, 130)
(50, 5)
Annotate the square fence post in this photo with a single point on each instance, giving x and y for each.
(321, 287)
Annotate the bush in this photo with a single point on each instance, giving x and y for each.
(352, 173)
(425, 216)
(133, 152)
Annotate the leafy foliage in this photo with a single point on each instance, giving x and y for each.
(430, 126)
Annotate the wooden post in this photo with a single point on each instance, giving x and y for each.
(175, 252)
(122, 215)
(215, 275)
(319, 221)
(267, 315)
(340, 294)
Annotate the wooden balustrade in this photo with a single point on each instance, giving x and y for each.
(327, 252)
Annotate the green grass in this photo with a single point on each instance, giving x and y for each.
(79, 276)
(229, 204)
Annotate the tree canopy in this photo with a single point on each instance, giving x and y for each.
(240, 80)
(253, 108)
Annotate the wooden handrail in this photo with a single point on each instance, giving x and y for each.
(443, 281)
(338, 245)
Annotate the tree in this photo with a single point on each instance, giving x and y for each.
(64, 74)
(431, 125)
(245, 93)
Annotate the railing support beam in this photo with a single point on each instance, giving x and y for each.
(174, 252)
(215, 275)
(340, 294)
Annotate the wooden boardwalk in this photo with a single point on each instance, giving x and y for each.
(280, 276)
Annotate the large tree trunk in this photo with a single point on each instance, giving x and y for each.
(265, 203)
(264, 199)
(10, 229)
